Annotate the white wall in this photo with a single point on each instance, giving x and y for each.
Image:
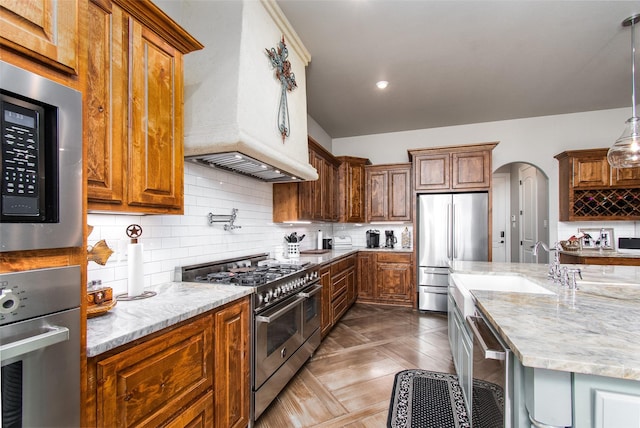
(317, 133)
(532, 140)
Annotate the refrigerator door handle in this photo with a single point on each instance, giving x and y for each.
(454, 234)
(449, 224)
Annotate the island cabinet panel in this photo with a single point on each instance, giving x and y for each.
(386, 278)
(43, 30)
(604, 402)
(133, 108)
(452, 168)
(589, 189)
(310, 200)
(232, 374)
(148, 385)
(351, 189)
(388, 192)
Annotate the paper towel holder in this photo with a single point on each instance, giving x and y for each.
(134, 231)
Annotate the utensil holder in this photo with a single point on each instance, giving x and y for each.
(293, 250)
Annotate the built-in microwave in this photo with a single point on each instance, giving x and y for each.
(41, 158)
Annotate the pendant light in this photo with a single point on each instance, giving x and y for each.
(625, 152)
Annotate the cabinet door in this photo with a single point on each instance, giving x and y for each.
(377, 195)
(156, 164)
(355, 202)
(471, 170)
(46, 30)
(105, 103)
(325, 280)
(148, 384)
(232, 362)
(625, 177)
(351, 286)
(366, 275)
(432, 172)
(393, 282)
(399, 195)
(590, 172)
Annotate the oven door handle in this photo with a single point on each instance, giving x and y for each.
(491, 348)
(279, 313)
(308, 294)
(33, 343)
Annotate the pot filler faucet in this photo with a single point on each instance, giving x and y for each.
(564, 275)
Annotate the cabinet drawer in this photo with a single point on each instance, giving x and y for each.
(339, 307)
(394, 257)
(338, 285)
(148, 384)
(343, 264)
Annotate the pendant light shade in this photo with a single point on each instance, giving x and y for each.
(625, 152)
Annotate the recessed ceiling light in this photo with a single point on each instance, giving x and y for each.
(382, 84)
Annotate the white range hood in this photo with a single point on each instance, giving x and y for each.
(232, 95)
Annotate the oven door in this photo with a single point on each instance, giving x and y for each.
(311, 310)
(278, 334)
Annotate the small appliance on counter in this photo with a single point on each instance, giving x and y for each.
(373, 238)
(629, 245)
(327, 243)
(390, 239)
(342, 243)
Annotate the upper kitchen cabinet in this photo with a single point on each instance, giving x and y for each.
(42, 30)
(310, 200)
(134, 108)
(591, 190)
(454, 168)
(388, 192)
(351, 189)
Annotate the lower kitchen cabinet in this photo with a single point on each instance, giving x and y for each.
(386, 277)
(338, 281)
(194, 374)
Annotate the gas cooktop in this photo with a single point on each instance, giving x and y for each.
(273, 280)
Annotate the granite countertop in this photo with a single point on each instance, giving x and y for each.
(175, 302)
(594, 330)
(603, 253)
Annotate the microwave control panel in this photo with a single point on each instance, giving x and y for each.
(22, 163)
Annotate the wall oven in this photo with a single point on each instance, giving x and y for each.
(41, 157)
(285, 336)
(40, 348)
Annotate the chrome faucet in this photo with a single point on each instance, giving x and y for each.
(554, 267)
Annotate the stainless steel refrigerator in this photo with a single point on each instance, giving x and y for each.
(453, 226)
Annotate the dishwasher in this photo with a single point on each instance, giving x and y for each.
(492, 362)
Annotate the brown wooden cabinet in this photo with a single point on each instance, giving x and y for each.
(192, 374)
(386, 278)
(310, 200)
(339, 290)
(597, 259)
(134, 108)
(589, 189)
(351, 189)
(453, 168)
(388, 192)
(325, 280)
(43, 30)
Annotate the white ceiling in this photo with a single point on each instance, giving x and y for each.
(458, 62)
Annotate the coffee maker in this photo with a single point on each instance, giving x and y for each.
(390, 239)
(373, 238)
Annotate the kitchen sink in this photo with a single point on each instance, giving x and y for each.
(462, 284)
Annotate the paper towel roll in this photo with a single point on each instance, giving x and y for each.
(319, 240)
(135, 285)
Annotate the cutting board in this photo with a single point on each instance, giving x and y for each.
(314, 251)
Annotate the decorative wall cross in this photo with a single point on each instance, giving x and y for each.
(287, 79)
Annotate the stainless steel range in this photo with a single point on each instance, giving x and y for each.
(286, 316)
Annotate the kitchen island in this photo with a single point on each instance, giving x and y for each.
(584, 341)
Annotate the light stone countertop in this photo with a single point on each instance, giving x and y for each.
(175, 302)
(594, 330)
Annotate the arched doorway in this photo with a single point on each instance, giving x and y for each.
(520, 212)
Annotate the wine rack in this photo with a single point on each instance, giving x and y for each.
(612, 203)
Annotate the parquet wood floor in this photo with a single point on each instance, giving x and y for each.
(348, 381)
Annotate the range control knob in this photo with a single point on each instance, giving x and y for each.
(8, 301)
(266, 297)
